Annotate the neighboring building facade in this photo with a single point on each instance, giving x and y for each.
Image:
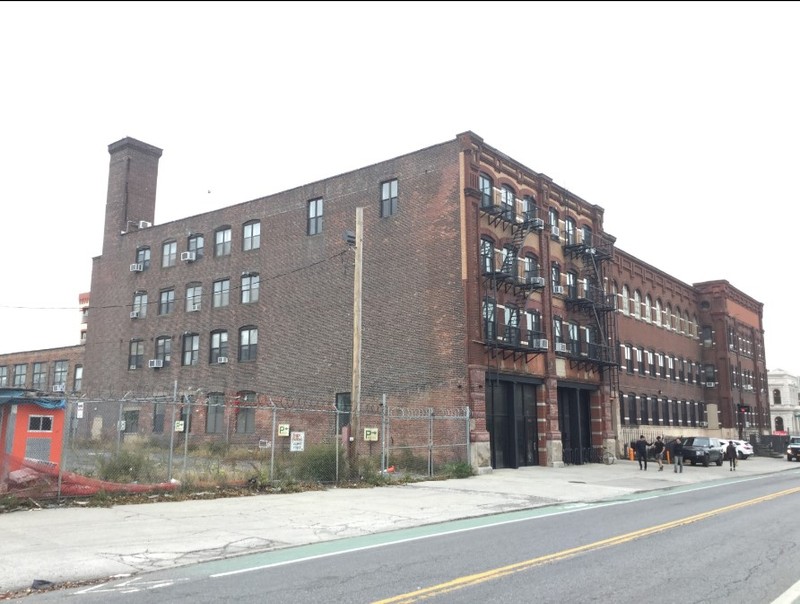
(484, 284)
(784, 389)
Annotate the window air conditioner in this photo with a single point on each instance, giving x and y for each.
(555, 231)
(558, 289)
(155, 363)
(137, 268)
(134, 314)
(221, 360)
(187, 256)
(710, 384)
(539, 344)
(537, 223)
(143, 224)
(536, 281)
(59, 388)
(561, 347)
(194, 307)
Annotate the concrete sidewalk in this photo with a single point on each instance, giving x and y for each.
(81, 544)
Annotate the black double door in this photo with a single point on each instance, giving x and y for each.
(511, 422)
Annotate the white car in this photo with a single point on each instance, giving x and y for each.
(743, 448)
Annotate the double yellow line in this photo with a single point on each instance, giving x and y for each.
(503, 571)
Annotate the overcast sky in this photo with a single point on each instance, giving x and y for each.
(680, 119)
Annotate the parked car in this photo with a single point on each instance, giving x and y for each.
(702, 450)
(743, 448)
(793, 449)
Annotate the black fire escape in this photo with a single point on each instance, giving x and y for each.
(588, 298)
(501, 338)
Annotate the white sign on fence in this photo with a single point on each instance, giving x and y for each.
(79, 410)
(298, 441)
(371, 434)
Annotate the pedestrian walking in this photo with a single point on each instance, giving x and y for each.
(730, 455)
(677, 455)
(641, 452)
(658, 450)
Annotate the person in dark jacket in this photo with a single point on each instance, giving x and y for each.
(658, 451)
(641, 452)
(730, 454)
(677, 454)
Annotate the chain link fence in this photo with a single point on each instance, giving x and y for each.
(153, 444)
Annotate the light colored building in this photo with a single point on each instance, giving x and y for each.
(784, 401)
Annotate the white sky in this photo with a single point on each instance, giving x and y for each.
(680, 119)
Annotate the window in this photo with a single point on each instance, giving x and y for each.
(666, 317)
(648, 308)
(573, 338)
(555, 274)
(510, 264)
(166, 302)
(222, 242)
(485, 186)
(511, 327)
(246, 413)
(3, 376)
(78, 381)
(248, 343)
(587, 240)
(657, 318)
(507, 202)
(569, 231)
(558, 338)
(40, 376)
(534, 325)
(529, 209)
(135, 354)
(219, 345)
(487, 255)
(531, 267)
(343, 409)
(637, 304)
(250, 288)
(131, 421)
(143, 257)
(140, 304)
(158, 417)
(215, 413)
(164, 349)
(40, 423)
(251, 236)
(671, 367)
(20, 375)
(572, 284)
(222, 291)
(651, 366)
(60, 370)
(640, 360)
(169, 253)
(625, 302)
(628, 358)
(552, 216)
(388, 198)
(315, 216)
(489, 319)
(196, 244)
(194, 295)
(191, 349)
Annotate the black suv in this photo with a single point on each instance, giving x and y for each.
(702, 449)
(793, 449)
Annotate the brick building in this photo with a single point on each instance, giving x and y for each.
(483, 284)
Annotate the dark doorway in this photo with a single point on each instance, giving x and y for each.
(511, 422)
(575, 423)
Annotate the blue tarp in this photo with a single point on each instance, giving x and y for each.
(20, 396)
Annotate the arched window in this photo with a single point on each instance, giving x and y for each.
(776, 397)
(637, 304)
(779, 424)
(648, 308)
(508, 200)
(485, 186)
(624, 302)
(487, 256)
(569, 231)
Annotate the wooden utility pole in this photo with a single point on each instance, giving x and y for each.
(355, 397)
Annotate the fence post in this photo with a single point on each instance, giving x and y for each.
(430, 440)
(64, 443)
(469, 444)
(274, 442)
(384, 460)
